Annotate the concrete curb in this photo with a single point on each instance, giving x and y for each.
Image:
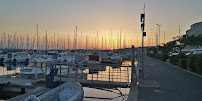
(177, 67)
(133, 94)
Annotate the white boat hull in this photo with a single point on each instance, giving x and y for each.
(69, 91)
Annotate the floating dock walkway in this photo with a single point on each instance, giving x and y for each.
(90, 83)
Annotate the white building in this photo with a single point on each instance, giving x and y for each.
(196, 29)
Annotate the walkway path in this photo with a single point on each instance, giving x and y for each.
(164, 82)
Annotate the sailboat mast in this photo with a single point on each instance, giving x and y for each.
(27, 42)
(46, 41)
(120, 38)
(105, 43)
(102, 42)
(37, 37)
(97, 40)
(86, 42)
(8, 41)
(68, 40)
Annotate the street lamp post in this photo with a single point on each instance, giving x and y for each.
(159, 34)
(143, 34)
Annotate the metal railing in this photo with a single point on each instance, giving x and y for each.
(94, 72)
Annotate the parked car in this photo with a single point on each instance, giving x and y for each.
(171, 54)
(196, 52)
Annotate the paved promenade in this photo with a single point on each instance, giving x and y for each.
(164, 82)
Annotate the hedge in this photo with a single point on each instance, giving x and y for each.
(162, 57)
(191, 62)
(182, 63)
(177, 57)
(199, 64)
(171, 59)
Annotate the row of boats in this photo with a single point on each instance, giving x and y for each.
(62, 57)
(41, 63)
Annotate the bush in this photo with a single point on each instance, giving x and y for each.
(171, 59)
(150, 54)
(164, 57)
(156, 56)
(182, 63)
(199, 64)
(179, 56)
(191, 62)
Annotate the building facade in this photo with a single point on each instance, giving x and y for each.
(196, 29)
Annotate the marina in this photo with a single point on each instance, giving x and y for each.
(100, 50)
(92, 74)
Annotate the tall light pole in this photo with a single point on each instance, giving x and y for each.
(143, 34)
(159, 34)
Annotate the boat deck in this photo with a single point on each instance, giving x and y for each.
(16, 81)
(36, 92)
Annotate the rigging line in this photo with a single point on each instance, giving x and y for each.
(101, 97)
(90, 92)
(121, 93)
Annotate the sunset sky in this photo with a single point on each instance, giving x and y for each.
(62, 16)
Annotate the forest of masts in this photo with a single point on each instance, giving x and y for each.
(44, 41)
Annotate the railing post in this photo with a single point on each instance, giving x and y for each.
(82, 71)
(140, 66)
(46, 68)
(120, 74)
(109, 74)
(127, 75)
(117, 74)
(68, 71)
(60, 73)
(92, 66)
(76, 72)
(97, 71)
(133, 71)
